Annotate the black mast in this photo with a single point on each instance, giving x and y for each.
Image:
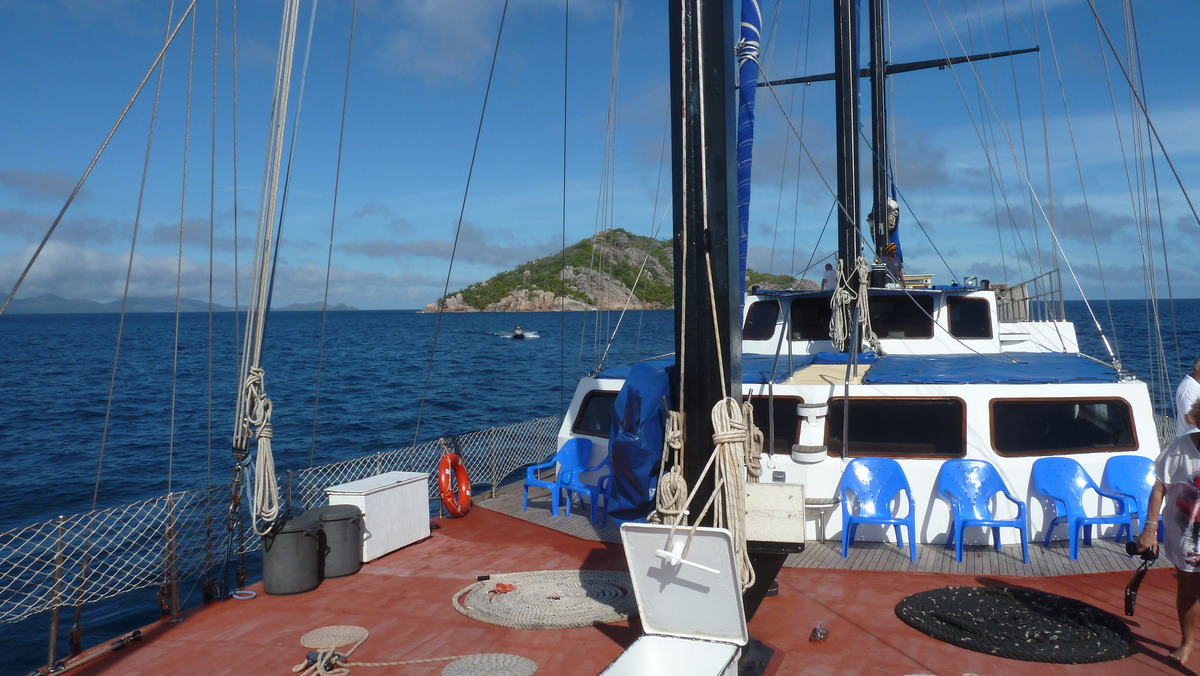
(879, 143)
(845, 44)
(703, 160)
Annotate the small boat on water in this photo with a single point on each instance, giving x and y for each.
(518, 333)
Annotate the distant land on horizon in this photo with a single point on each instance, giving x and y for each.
(52, 304)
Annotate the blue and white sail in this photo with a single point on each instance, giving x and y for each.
(747, 58)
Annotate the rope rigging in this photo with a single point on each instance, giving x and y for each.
(458, 228)
(337, 182)
(253, 405)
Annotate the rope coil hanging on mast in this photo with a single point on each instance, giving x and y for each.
(253, 406)
(843, 304)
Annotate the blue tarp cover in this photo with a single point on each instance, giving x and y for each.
(635, 440)
(1028, 367)
(756, 368)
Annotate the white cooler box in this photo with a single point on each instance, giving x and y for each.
(395, 507)
(691, 607)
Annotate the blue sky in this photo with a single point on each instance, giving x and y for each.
(417, 84)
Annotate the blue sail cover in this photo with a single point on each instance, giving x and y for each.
(747, 56)
(635, 440)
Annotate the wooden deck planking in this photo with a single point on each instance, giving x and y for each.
(981, 560)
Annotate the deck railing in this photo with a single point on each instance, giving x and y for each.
(1037, 300)
(161, 542)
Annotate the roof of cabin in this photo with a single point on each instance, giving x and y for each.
(1011, 368)
(1003, 368)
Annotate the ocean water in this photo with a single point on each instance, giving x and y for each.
(55, 373)
(56, 370)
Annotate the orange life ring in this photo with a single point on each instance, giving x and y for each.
(457, 503)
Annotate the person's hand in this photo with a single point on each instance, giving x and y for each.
(1148, 538)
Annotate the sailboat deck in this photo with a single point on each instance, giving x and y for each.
(403, 600)
(1104, 556)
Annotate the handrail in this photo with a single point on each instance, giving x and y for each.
(1035, 300)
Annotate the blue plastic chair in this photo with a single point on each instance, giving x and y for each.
(573, 484)
(1131, 477)
(874, 483)
(573, 454)
(1064, 481)
(969, 486)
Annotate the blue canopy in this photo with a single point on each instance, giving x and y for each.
(1009, 368)
(635, 440)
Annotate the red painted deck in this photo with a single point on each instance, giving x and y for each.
(403, 599)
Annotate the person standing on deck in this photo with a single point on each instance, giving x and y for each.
(829, 279)
(1185, 395)
(895, 270)
(1177, 472)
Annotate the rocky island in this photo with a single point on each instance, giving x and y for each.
(596, 273)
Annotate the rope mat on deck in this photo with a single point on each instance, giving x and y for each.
(324, 660)
(550, 599)
(1020, 624)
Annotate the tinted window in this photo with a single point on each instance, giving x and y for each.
(900, 427)
(787, 422)
(595, 414)
(902, 316)
(810, 318)
(969, 317)
(1053, 426)
(760, 320)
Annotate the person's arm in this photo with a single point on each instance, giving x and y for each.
(1148, 539)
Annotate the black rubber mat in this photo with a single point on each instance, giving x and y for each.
(1019, 624)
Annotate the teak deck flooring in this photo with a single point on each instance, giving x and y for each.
(403, 599)
(1104, 556)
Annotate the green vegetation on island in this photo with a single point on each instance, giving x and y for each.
(594, 273)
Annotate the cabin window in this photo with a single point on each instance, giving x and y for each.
(902, 316)
(810, 318)
(1023, 427)
(595, 414)
(760, 320)
(969, 317)
(787, 421)
(901, 428)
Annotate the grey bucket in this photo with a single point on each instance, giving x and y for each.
(343, 539)
(291, 556)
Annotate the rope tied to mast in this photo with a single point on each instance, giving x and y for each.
(670, 501)
(257, 421)
(736, 456)
(843, 303)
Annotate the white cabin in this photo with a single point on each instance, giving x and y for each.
(953, 381)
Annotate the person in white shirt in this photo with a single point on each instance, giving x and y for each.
(1176, 494)
(829, 279)
(1185, 395)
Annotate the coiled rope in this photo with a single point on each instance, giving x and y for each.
(266, 489)
(326, 661)
(550, 599)
(737, 452)
(842, 303)
(737, 447)
(670, 501)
